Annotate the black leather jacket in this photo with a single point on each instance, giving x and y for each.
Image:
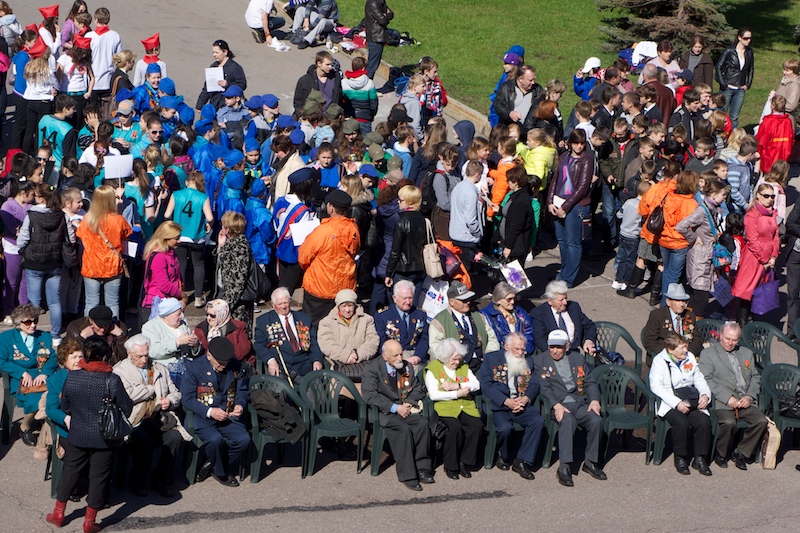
(376, 19)
(504, 103)
(409, 238)
(728, 71)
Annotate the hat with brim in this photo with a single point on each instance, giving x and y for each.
(394, 163)
(346, 296)
(590, 64)
(233, 91)
(334, 111)
(459, 291)
(301, 175)
(102, 316)
(221, 349)
(675, 291)
(368, 170)
(399, 115)
(394, 176)
(376, 152)
(350, 125)
(270, 100)
(373, 137)
(125, 108)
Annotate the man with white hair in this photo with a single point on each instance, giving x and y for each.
(406, 324)
(507, 380)
(731, 373)
(566, 381)
(560, 313)
(286, 340)
(154, 397)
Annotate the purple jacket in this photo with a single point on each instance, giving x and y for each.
(162, 278)
(12, 214)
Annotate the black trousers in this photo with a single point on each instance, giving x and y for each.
(36, 110)
(183, 251)
(461, 441)
(20, 124)
(756, 425)
(696, 425)
(698, 302)
(409, 439)
(291, 275)
(317, 308)
(144, 439)
(75, 460)
(792, 290)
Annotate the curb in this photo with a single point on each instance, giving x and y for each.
(455, 108)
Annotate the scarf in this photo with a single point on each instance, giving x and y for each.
(766, 211)
(149, 59)
(94, 366)
(100, 29)
(221, 309)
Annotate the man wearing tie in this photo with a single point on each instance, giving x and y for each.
(560, 313)
(404, 323)
(390, 383)
(468, 327)
(675, 316)
(283, 337)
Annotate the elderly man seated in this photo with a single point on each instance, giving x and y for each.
(451, 384)
(170, 337)
(347, 336)
(507, 380)
(406, 324)
(565, 380)
(560, 313)
(505, 316)
(458, 321)
(674, 317)
(390, 383)
(101, 322)
(731, 373)
(155, 398)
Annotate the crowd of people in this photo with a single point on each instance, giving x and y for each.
(118, 200)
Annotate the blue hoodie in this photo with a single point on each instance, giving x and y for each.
(260, 230)
(231, 198)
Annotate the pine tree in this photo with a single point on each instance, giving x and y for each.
(678, 21)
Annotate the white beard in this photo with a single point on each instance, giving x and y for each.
(517, 366)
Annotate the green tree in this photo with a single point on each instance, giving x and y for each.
(631, 21)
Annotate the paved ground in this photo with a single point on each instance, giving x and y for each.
(635, 498)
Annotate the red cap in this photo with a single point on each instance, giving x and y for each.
(32, 27)
(37, 49)
(82, 42)
(48, 12)
(151, 42)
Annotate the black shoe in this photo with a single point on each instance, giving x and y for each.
(260, 37)
(228, 481)
(521, 467)
(164, 492)
(464, 470)
(413, 484)
(594, 470)
(204, 472)
(452, 474)
(590, 256)
(564, 475)
(720, 461)
(502, 464)
(139, 491)
(628, 292)
(426, 476)
(682, 465)
(699, 464)
(75, 498)
(739, 460)
(28, 437)
(303, 44)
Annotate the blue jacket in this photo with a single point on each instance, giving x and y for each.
(270, 337)
(493, 376)
(390, 327)
(55, 384)
(142, 97)
(200, 391)
(583, 85)
(260, 231)
(499, 324)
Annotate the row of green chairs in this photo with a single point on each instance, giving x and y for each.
(7, 413)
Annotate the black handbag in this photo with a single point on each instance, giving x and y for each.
(655, 222)
(789, 406)
(114, 425)
(688, 394)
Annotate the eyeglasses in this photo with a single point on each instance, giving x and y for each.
(767, 195)
(209, 315)
(29, 321)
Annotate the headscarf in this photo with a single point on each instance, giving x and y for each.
(222, 311)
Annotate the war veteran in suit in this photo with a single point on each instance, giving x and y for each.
(560, 313)
(565, 380)
(406, 324)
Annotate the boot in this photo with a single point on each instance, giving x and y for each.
(636, 278)
(655, 290)
(57, 516)
(89, 525)
(743, 315)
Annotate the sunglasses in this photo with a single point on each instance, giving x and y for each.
(767, 195)
(29, 321)
(747, 38)
(157, 132)
(43, 159)
(209, 315)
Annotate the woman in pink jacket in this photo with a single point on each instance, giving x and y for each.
(162, 276)
(761, 250)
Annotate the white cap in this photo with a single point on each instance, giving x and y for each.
(591, 63)
(558, 337)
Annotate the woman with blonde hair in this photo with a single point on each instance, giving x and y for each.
(40, 90)
(410, 235)
(124, 61)
(162, 272)
(102, 233)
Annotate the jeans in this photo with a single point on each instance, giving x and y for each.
(316, 24)
(52, 289)
(734, 100)
(611, 205)
(14, 286)
(674, 263)
(569, 232)
(374, 54)
(110, 288)
(626, 255)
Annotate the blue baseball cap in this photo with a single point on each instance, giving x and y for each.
(167, 86)
(368, 170)
(270, 100)
(297, 136)
(153, 68)
(254, 103)
(171, 102)
(233, 158)
(233, 91)
(301, 175)
(123, 94)
(284, 121)
(517, 49)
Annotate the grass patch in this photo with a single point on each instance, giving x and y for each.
(467, 38)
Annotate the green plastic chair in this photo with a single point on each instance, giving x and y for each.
(608, 336)
(707, 328)
(796, 328)
(7, 413)
(758, 336)
(650, 355)
(261, 437)
(740, 424)
(490, 452)
(662, 427)
(781, 381)
(55, 466)
(614, 382)
(550, 425)
(320, 392)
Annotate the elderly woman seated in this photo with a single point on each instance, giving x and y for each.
(154, 397)
(347, 336)
(170, 338)
(27, 355)
(450, 385)
(218, 323)
(505, 316)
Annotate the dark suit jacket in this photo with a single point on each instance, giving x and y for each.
(379, 388)
(552, 386)
(270, 336)
(493, 376)
(199, 390)
(389, 326)
(717, 370)
(544, 322)
(660, 323)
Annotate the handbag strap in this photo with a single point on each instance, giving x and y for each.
(111, 247)
(429, 232)
(711, 221)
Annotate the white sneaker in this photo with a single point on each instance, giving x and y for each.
(279, 46)
(7, 321)
(56, 342)
(619, 286)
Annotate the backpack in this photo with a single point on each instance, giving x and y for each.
(428, 194)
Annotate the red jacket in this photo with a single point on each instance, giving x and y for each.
(775, 139)
(762, 243)
(234, 332)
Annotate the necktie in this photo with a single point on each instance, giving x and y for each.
(562, 325)
(465, 320)
(292, 339)
(405, 319)
(678, 325)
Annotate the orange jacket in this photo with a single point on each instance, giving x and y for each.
(500, 187)
(650, 200)
(328, 257)
(98, 261)
(676, 208)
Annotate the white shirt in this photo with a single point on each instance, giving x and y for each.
(52, 44)
(567, 321)
(103, 49)
(74, 80)
(293, 327)
(254, 12)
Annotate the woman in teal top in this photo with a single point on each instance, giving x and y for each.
(191, 209)
(70, 352)
(139, 190)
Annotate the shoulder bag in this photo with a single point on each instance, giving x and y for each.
(689, 394)
(721, 256)
(114, 425)
(430, 254)
(655, 222)
(111, 246)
